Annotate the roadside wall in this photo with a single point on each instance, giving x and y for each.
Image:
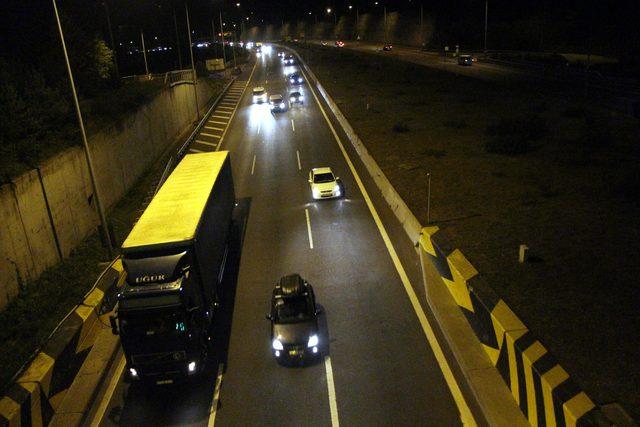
(47, 212)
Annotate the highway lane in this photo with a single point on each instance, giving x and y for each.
(383, 369)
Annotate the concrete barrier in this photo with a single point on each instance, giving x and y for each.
(38, 391)
(541, 388)
(48, 211)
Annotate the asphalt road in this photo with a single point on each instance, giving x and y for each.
(479, 70)
(377, 367)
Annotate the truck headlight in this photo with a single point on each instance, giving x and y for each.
(277, 345)
(313, 341)
(192, 367)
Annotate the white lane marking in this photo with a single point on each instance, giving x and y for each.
(298, 156)
(216, 397)
(97, 418)
(253, 165)
(293, 126)
(333, 404)
(235, 108)
(306, 212)
(210, 134)
(213, 128)
(217, 121)
(465, 412)
(199, 141)
(194, 150)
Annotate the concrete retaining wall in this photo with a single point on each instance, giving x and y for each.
(47, 212)
(541, 388)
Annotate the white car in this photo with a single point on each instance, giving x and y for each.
(259, 95)
(278, 103)
(324, 184)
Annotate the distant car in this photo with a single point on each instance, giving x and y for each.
(259, 95)
(280, 54)
(295, 78)
(294, 319)
(324, 43)
(465, 60)
(296, 98)
(289, 60)
(324, 184)
(278, 103)
(387, 47)
(339, 43)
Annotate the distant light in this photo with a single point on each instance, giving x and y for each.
(238, 4)
(133, 372)
(376, 3)
(247, 18)
(155, 38)
(309, 13)
(329, 9)
(192, 366)
(234, 25)
(350, 7)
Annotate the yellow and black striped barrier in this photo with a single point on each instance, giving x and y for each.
(540, 386)
(39, 389)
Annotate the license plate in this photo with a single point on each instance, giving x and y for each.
(163, 382)
(293, 352)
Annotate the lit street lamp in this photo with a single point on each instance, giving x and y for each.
(87, 150)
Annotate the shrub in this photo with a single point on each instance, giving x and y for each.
(401, 127)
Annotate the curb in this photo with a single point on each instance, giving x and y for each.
(540, 387)
(41, 387)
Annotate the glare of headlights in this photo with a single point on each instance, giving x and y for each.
(277, 345)
(336, 188)
(282, 105)
(299, 80)
(313, 341)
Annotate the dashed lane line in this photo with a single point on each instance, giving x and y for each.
(306, 212)
(454, 388)
(331, 390)
(253, 165)
(216, 397)
(298, 156)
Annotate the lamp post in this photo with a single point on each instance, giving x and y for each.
(144, 55)
(193, 65)
(224, 54)
(486, 20)
(87, 150)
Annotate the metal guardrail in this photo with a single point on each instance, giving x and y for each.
(176, 77)
(175, 159)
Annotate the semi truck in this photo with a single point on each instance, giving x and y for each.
(174, 263)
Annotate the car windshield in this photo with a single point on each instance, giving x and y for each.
(276, 98)
(295, 94)
(258, 92)
(323, 177)
(292, 309)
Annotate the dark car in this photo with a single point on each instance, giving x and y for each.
(295, 78)
(294, 320)
(289, 60)
(387, 47)
(465, 60)
(296, 98)
(278, 104)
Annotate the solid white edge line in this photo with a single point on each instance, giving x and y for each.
(97, 418)
(253, 165)
(306, 212)
(233, 114)
(298, 156)
(454, 388)
(331, 389)
(216, 396)
(293, 126)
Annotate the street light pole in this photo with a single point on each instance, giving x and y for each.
(385, 23)
(87, 151)
(113, 42)
(144, 54)
(224, 55)
(486, 20)
(175, 24)
(193, 65)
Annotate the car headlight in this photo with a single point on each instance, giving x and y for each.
(277, 345)
(336, 188)
(255, 98)
(299, 80)
(282, 105)
(191, 367)
(272, 106)
(313, 341)
(133, 372)
(316, 193)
